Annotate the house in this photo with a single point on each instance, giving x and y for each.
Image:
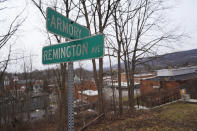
(6, 81)
(14, 83)
(107, 80)
(11, 82)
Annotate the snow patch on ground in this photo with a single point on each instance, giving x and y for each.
(141, 107)
(190, 100)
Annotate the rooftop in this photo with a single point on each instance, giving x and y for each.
(176, 72)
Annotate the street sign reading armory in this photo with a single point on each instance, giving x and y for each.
(87, 48)
(58, 24)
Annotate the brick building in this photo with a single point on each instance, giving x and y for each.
(169, 84)
(148, 86)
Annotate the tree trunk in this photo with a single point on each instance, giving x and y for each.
(133, 71)
(127, 74)
(101, 82)
(119, 81)
(112, 82)
(119, 66)
(63, 102)
(97, 85)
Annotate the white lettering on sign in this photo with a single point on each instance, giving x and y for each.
(66, 52)
(85, 48)
(53, 22)
(94, 49)
(55, 54)
(78, 52)
(73, 46)
(63, 52)
(45, 55)
(65, 27)
(50, 54)
(71, 29)
(59, 23)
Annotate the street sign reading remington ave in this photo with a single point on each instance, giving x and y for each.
(87, 48)
(58, 24)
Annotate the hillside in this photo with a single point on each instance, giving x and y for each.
(178, 116)
(182, 58)
(176, 59)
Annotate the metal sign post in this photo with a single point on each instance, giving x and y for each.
(70, 97)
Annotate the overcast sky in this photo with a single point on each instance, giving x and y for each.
(31, 37)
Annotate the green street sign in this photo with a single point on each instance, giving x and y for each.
(58, 24)
(87, 48)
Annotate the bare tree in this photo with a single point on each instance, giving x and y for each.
(140, 30)
(97, 15)
(119, 64)
(112, 82)
(6, 37)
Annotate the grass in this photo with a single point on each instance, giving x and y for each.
(180, 112)
(125, 99)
